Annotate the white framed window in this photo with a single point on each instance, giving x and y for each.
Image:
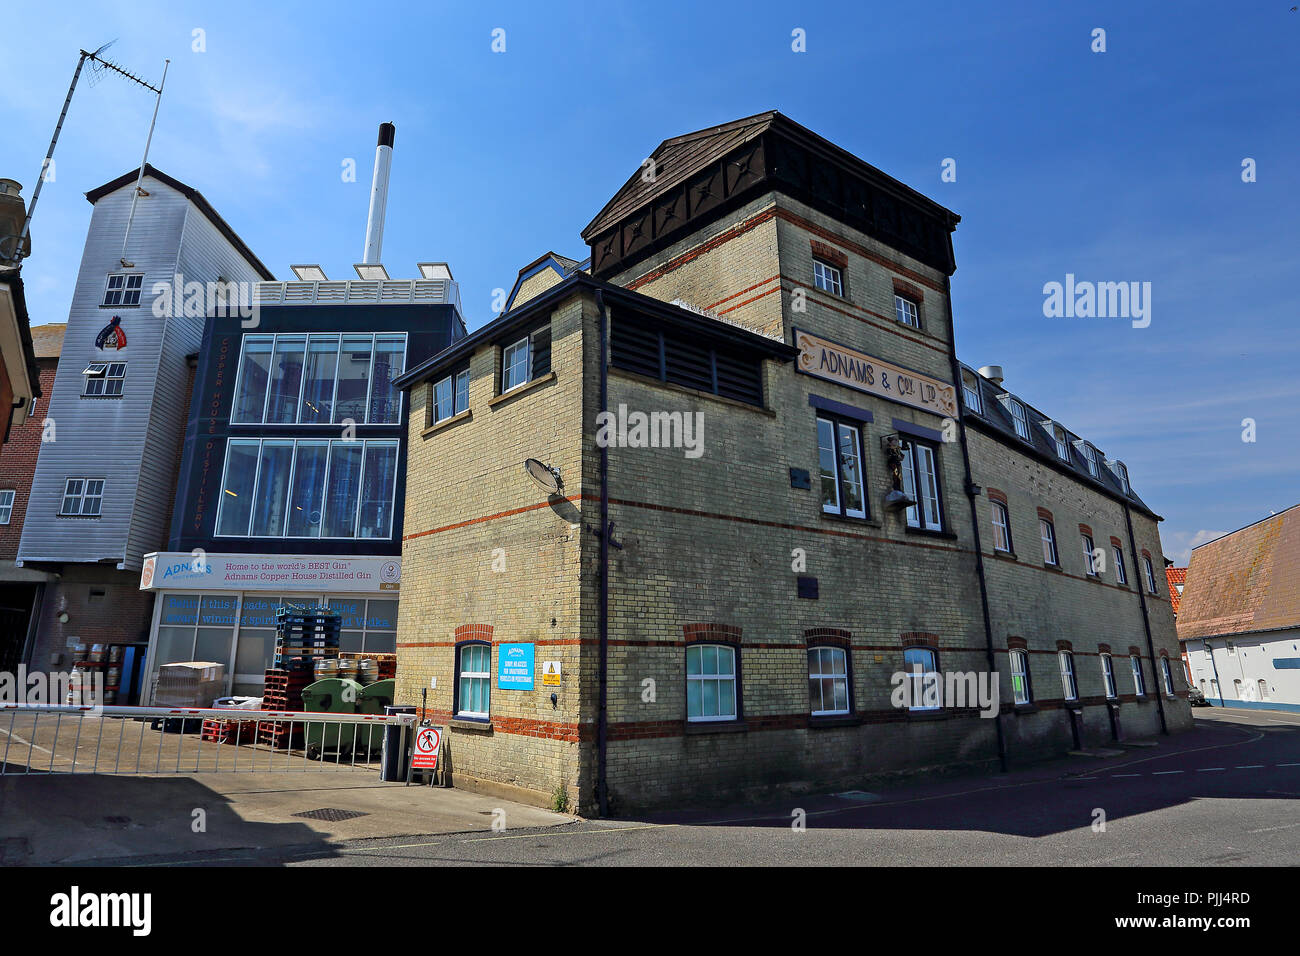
(1120, 471)
(828, 278)
(906, 312)
(1231, 648)
(474, 681)
(1108, 677)
(514, 365)
(1139, 683)
(1047, 531)
(828, 681)
(82, 496)
(319, 378)
(1150, 574)
(970, 393)
(104, 378)
(1018, 417)
(6, 505)
(1001, 527)
(921, 484)
(451, 396)
(1020, 676)
(1121, 573)
(1089, 559)
(123, 288)
(1167, 673)
(711, 692)
(1090, 456)
(1069, 686)
(1261, 684)
(308, 488)
(839, 456)
(1062, 442)
(917, 662)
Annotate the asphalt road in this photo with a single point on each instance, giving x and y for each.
(1223, 794)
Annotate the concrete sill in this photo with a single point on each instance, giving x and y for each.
(868, 522)
(98, 398)
(842, 720)
(927, 533)
(714, 727)
(473, 726)
(521, 390)
(1005, 556)
(1053, 567)
(447, 423)
(928, 715)
(1025, 709)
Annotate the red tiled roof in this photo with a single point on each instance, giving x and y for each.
(1246, 581)
(1175, 577)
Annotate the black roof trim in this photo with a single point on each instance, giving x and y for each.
(196, 197)
(996, 422)
(527, 314)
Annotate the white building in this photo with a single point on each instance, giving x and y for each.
(103, 488)
(1239, 619)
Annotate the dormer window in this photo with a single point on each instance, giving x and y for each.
(123, 288)
(1090, 456)
(970, 393)
(1018, 416)
(1062, 443)
(1121, 473)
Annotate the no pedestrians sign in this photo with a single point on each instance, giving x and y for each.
(428, 744)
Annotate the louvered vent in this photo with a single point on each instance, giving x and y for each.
(677, 359)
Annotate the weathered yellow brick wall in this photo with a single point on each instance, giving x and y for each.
(470, 507)
(535, 285)
(1041, 605)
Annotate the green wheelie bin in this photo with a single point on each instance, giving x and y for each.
(333, 695)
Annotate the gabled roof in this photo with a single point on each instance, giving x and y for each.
(1175, 577)
(1245, 581)
(194, 196)
(47, 340)
(996, 419)
(562, 266)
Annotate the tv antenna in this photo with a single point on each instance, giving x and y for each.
(99, 68)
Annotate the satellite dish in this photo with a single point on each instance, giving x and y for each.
(544, 475)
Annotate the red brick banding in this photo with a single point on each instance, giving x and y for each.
(829, 254)
(996, 495)
(919, 639)
(1046, 515)
(828, 635)
(474, 632)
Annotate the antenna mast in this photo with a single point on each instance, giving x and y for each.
(98, 64)
(145, 159)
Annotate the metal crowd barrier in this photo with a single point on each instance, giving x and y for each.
(54, 738)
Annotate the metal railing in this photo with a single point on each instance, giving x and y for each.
(52, 738)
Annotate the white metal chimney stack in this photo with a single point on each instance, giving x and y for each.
(379, 195)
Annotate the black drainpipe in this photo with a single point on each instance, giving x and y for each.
(971, 492)
(602, 723)
(1158, 689)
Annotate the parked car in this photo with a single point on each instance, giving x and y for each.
(1196, 698)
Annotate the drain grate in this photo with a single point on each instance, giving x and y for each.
(332, 814)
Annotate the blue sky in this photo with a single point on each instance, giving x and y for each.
(1115, 166)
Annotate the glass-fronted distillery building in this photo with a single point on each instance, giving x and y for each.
(292, 477)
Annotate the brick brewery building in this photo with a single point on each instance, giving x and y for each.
(714, 601)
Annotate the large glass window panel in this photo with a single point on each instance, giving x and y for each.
(272, 499)
(382, 615)
(827, 466)
(286, 379)
(179, 609)
(254, 373)
(318, 389)
(213, 644)
(385, 400)
(343, 491)
(909, 487)
(258, 611)
(851, 467)
(175, 644)
(351, 642)
(443, 400)
(218, 610)
(377, 488)
(308, 497)
(237, 488)
(254, 651)
(354, 379)
(929, 476)
(462, 392)
(351, 611)
(381, 642)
